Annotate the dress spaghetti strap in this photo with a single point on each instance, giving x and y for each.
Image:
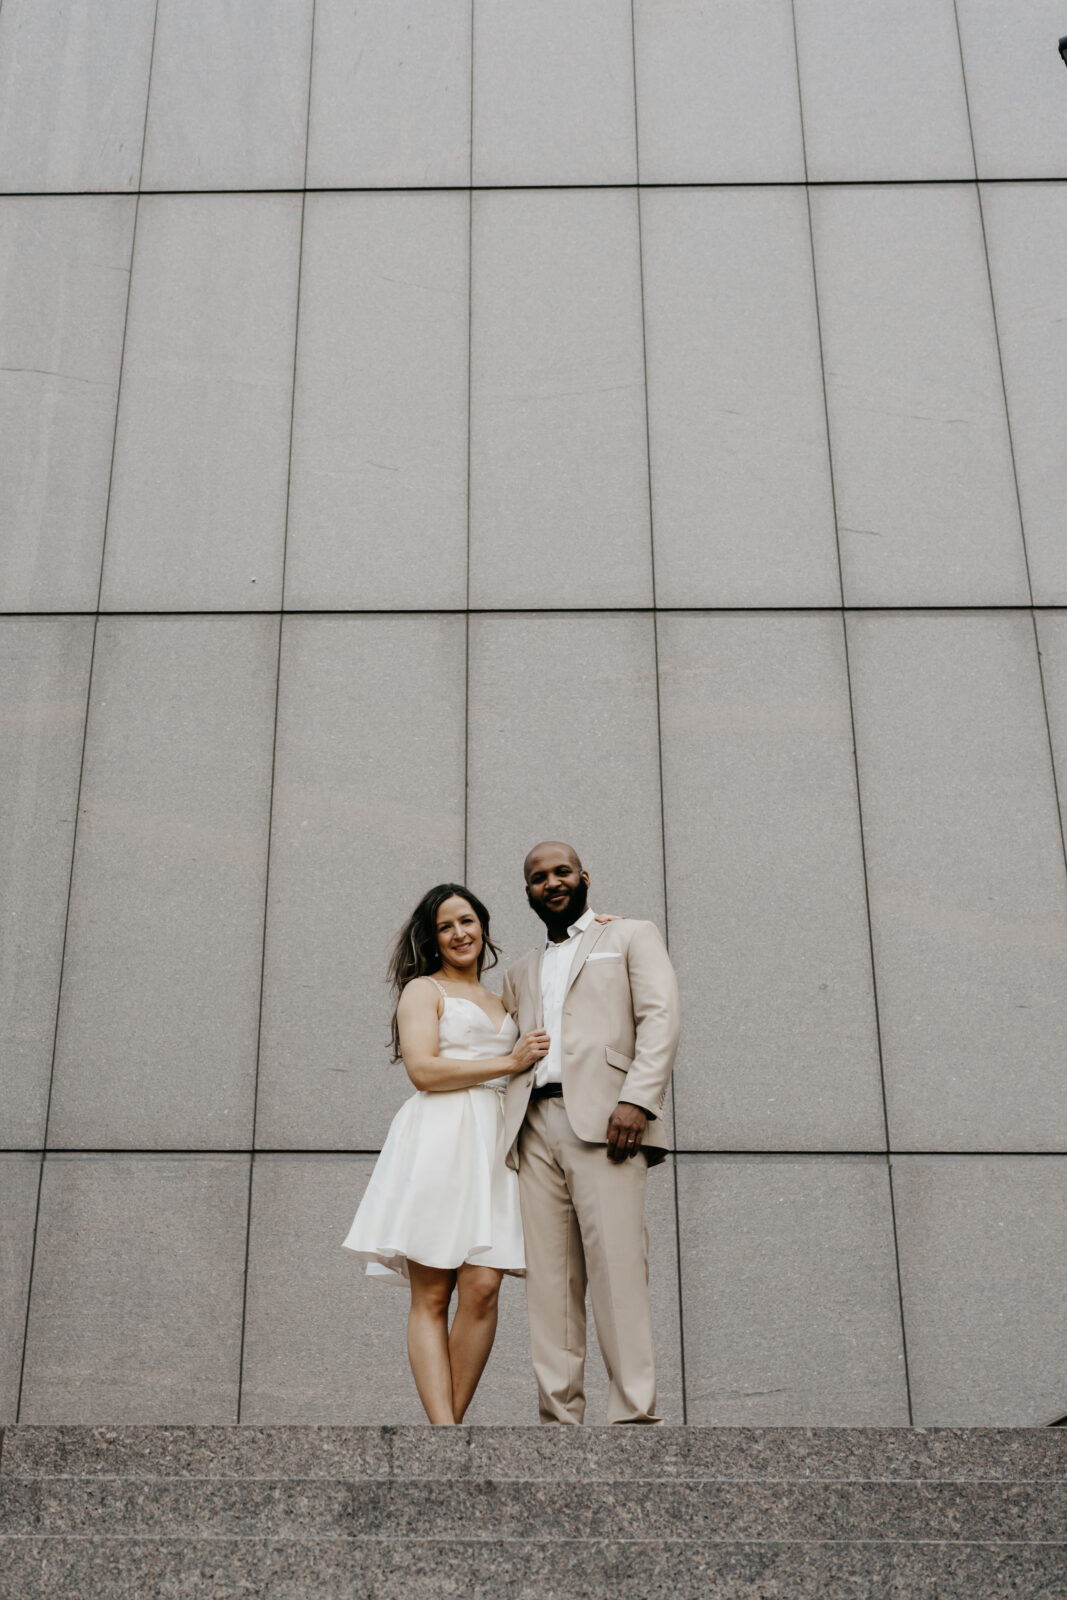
(439, 986)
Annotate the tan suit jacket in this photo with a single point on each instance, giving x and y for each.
(620, 1031)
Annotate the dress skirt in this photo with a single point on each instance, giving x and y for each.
(440, 1193)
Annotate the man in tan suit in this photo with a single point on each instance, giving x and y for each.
(583, 1126)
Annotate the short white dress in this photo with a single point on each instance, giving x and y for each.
(440, 1193)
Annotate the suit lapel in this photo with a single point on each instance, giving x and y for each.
(585, 944)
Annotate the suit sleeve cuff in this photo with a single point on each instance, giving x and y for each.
(651, 1115)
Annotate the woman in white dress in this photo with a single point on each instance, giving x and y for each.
(441, 1211)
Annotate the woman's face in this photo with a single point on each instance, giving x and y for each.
(459, 933)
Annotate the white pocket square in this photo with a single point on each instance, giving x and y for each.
(605, 955)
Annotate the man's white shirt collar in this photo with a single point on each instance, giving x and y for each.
(587, 916)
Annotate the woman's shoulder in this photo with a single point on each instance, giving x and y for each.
(422, 988)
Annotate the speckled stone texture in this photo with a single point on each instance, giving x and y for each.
(170, 1569)
(514, 1513)
(1037, 1455)
(435, 1508)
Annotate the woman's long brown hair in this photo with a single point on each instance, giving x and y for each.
(417, 953)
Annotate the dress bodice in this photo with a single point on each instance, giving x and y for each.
(467, 1033)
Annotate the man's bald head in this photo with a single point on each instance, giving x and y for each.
(555, 849)
(557, 885)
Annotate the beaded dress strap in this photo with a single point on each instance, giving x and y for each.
(439, 986)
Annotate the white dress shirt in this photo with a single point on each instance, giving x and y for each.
(555, 970)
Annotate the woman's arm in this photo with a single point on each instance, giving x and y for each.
(418, 1023)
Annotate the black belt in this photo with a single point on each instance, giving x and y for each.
(546, 1091)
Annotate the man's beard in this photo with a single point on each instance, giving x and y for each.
(558, 920)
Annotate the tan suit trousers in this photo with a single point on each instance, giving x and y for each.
(583, 1219)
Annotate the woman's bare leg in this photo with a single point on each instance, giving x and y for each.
(431, 1291)
(473, 1331)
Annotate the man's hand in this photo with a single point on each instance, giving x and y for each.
(626, 1129)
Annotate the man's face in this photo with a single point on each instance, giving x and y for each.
(557, 886)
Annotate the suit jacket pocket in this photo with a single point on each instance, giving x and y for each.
(615, 1058)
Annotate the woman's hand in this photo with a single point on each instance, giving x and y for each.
(609, 919)
(529, 1050)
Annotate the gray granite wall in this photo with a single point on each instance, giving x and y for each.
(431, 425)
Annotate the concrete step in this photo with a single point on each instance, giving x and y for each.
(558, 1454)
(431, 1508)
(181, 1569)
(511, 1513)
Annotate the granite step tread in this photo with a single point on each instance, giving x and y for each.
(544, 1511)
(531, 1454)
(174, 1569)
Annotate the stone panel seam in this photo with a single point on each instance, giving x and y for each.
(978, 186)
(274, 741)
(466, 796)
(281, 608)
(147, 99)
(655, 668)
(852, 726)
(533, 188)
(259, 1025)
(466, 612)
(77, 812)
(307, 122)
(470, 131)
(877, 1017)
(1048, 731)
(770, 1152)
(1033, 610)
(467, 575)
(98, 613)
(553, 611)
(466, 737)
(125, 322)
(55, 1025)
(77, 802)
(993, 307)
